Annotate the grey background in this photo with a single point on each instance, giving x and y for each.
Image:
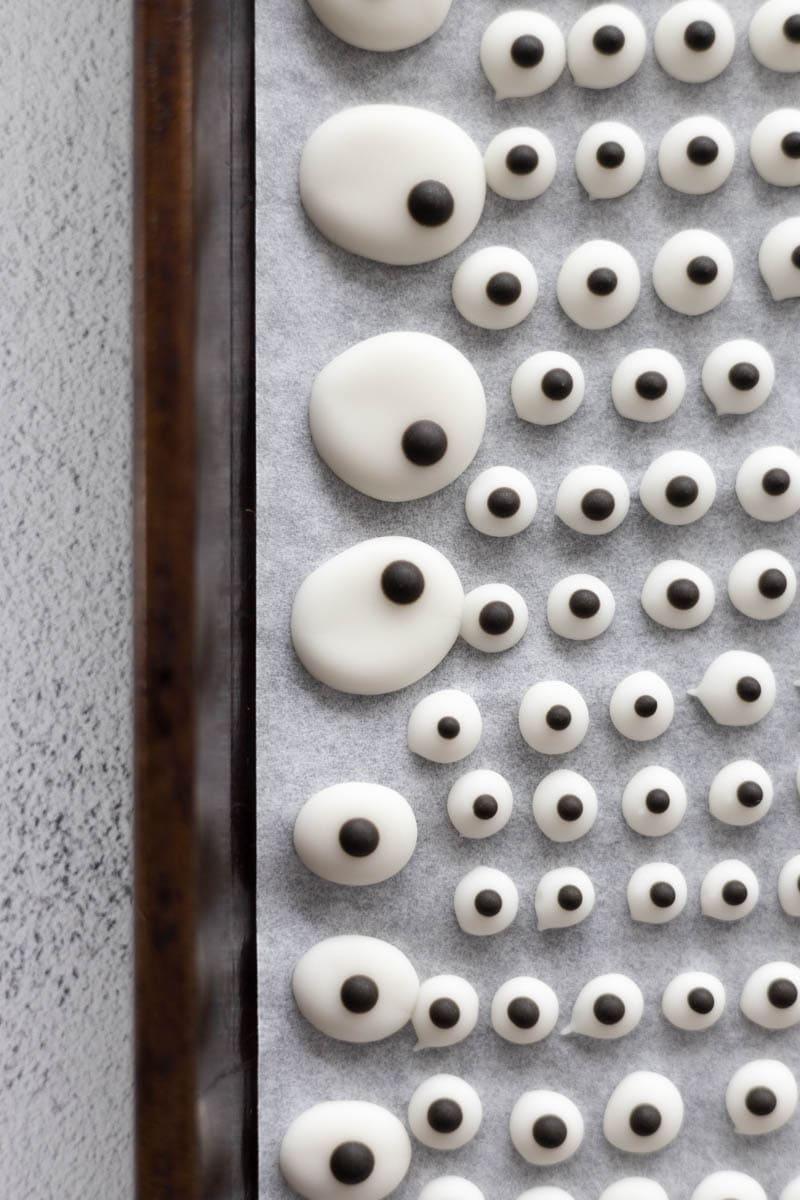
(314, 301)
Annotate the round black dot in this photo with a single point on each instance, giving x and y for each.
(445, 1116)
(782, 993)
(558, 717)
(549, 1131)
(651, 385)
(683, 594)
(790, 144)
(795, 257)
(527, 50)
(431, 203)
(359, 994)
(699, 35)
(598, 504)
(556, 383)
(748, 689)
(570, 897)
(702, 150)
(448, 728)
(702, 270)
(657, 801)
(772, 583)
(609, 1009)
(734, 892)
(608, 39)
(523, 1012)
(749, 793)
(776, 481)
(485, 807)
(522, 160)
(352, 1163)
(681, 491)
(496, 617)
(504, 288)
(744, 376)
(503, 502)
(402, 582)
(663, 894)
(358, 837)
(791, 28)
(424, 443)
(761, 1101)
(645, 706)
(569, 807)
(444, 1013)
(645, 1120)
(700, 1000)
(584, 603)
(488, 902)
(602, 281)
(610, 155)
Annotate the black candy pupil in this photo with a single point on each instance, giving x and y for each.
(657, 801)
(699, 35)
(734, 892)
(791, 28)
(352, 1163)
(749, 794)
(550, 1132)
(488, 902)
(570, 897)
(496, 617)
(523, 1012)
(359, 837)
(702, 150)
(790, 144)
(597, 504)
(424, 443)
(503, 502)
(700, 1000)
(645, 706)
(682, 491)
(359, 994)
(772, 583)
(662, 894)
(431, 203)
(609, 1009)
(761, 1101)
(444, 1013)
(556, 383)
(645, 1120)
(608, 39)
(744, 376)
(782, 993)
(610, 155)
(795, 257)
(527, 50)
(748, 689)
(683, 594)
(504, 288)
(522, 160)
(485, 807)
(402, 582)
(448, 728)
(570, 808)
(584, 603)
(651, 385)
(602, 281)
(558, 717)
(776, 481)
(445, 1116)
(702, 270)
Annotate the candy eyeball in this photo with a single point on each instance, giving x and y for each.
(524, 1011)
(696, 156)
(609, 160)
(648, 385)
(775, 35)
(445, 726)
(553, 717)
(741, 793)
(761, 1097)
(451, 1187)
(445, 1112)
(395, 25)
(678, 487)
(486, 901)
(446, 1012)
(495, 288)
(729, 891)
(580, 607)
(564, 806)
(789, 887)
(775, 147)
(564, 897)
(522, 54)
(654, 802)
(634, 1188)
(480, 803)
(791, 1191)
(678, 595)
(547, 388)
(738, 376)
(355, 989)
(593, 500)
(693, 272)
(642, 706)
(768, 484)
(729, 1185)
(762, 585)
(598, 285)
(333, 1149)
(693, 1001)
(605, 46)
(500, 502)
(355, 833)
(607, 1007)
(545, 1193)
(520, 163)
(694, 41)
(657, 893)
(546, 1128)
(737, 689)
(771, 996)
(495, 617)
(644, 1113)
(779, 259)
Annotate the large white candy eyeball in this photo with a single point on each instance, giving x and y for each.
(355, 833)
(598, 285)
(344, 1148)
(789, 887)
(580, 607)
(377, 617)
(741, 793)
(678, 487)
(593, 500)
(775, 35)
(738, 376)
(547, 388)
(522, 53)
(546, 1128)
(495, 288)
(779, 259)
(768, 483)
(696, 156)
(605, 46)
(500, 502)
(654, 801)
(693, 272)
(446, 1012)
(445, 726)
(451, 1187)
(657, 893)
(495, 617)
(775, 147)
(729, 891)
(762, 585)
(644, 1113)
(771, 996)
(486, 901)
(738, 688)
(564, 806)
(609, 160)
(634, 1188)
(648, 385)
(564, 897)
(729, 1185)
(642, 706)
(678, 595)
(355, 989)
(694, 41)
(693, 1001)
(390, 25)
(445, 1112)
(524, 1010)
(553, 717)
(607, 1007)
(761, 1097)
(480, 803)
(520, 163)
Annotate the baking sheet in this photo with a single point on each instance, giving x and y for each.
(315, 300)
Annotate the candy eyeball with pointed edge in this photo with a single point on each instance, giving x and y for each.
(609, 160)
(738, 376)
(762, 585)
(605, 46)
(598, 285)
(741, 793)
(547, 388)
(634, 1188)
(648, 385)
(657, 893)
(355, 833)
(480, 803)
(654, 802)
(546, 1128)
(564, 897)
(696, 155)
(642, 706)
(580, 607)
(729, 891)
(771, 996)
(553, 717)
(495, 617)
(694, 41)
(495, 288)
(789, 887)
(775, 147)
(693, 272)
(693, 1001)
(446, 1012)
(524, 1010)
(761, 1097)
(564, 806)
(729, 1185)
(678, 595)
(737, 689)
(395, 25)
(593, 500)
(355, 989)
(451, 1187)
(779, 259)
(522, 54)
(644, 1113)
(500, 502)
(445, 726)
(486, 902)
(678, 487)
(445, 1112)
(520, 163)
(768, 484)
(342, 1148)
(607, 1007)
(775, 35)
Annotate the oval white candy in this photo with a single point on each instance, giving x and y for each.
(436, 1105)
(609, 160)
(644, 1113)
(737, 689)
(546, 1128)
(580, 607)
(738, 376)
(495, 288)
(486, 902)
(775, 35)
(641, 706)
(324, 823)
(480, 803)
(678, 595)
(445, 726)
(693, 1001)
(524, 1010)
(553, 717)
(728, 1185)
(696, 156)
(729, 891)
(789, 887)
(522, 53)
(547, 388)
(634, 1188)
(771, 996)
(390, 25)
(779, 259)
(607, 1007)
(678, 487)
(702, 57)
(768, 483)
(693, 272)
(657, 893)
(761, 1097)
(775, 147)
(740, 793)
(309, 1146)
(654, 801)
(564, 806)
(598, 285)
(495, 618)
(451, 1187)
(762, 585)
(648, 385)
(500, 502)
(446, 1012)
(593, 500)
(564, 897)
(622, 51)
(520, 163)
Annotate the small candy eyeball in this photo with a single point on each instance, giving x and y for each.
(553, 717)
(694, 41)
(696, 155)
(445, 1112)
(546, 1128)
(593, 500)
(520, 163)
(648, 385)
(693, 272)
(564, 806)
(355, 833)
(762, 585)
(768, 483)
(495, 617)
(771, 996)
(634, 1188)
(729, 1185)
(445, 726)
(495, 288)
(775, 147)
(355, 989)
(598, 285)
(738, 688)
(383, 27)
(789, 887)
(644, 1113)
(486, 901)
(564, 897)
(678, 595)
(642, 706)
(738, 376)
(580, 607)
(545, 1193)
(605, 46)
(678, 487)
(729, 891)
(607, 1007)
(609, 160)
(334, 1148)
(761, 1097)
(500, 502)
(547, 388)
(693, 1001)
(451, 1187)
(741, 793)
(522, 54)
(480, 803)
(654, 802)
(446, 1012)
(779, 259)
(657, 893)
(775, 35)
(524, 1010)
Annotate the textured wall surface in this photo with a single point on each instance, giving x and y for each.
(65, 1073)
